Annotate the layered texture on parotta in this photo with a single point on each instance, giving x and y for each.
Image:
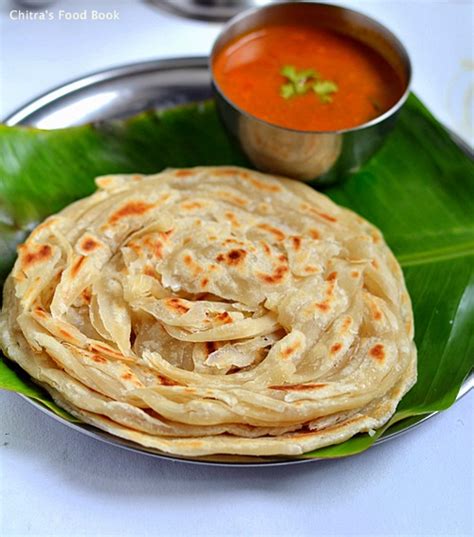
(213, 310)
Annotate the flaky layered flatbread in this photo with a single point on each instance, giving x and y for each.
(213, 310)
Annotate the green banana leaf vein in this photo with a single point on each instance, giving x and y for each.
(419, 190)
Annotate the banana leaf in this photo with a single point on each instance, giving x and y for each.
(418, 189)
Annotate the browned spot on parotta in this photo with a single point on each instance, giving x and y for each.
(183, 173)
(177, 305)
(328, 217)
(376, 313)
(40, 312)
(323, 306)
(266, 248)
(232, 219)
(278, 234)
(106, 349)
(225, 172)
(99, 359)
(378, 352)
(224, 317)
(89, 244)
(288, 352)
(66, 335)
(76, 266)
(131, 208)
(235, 242)
(31, 255)
(153, 245)
(318, 213)
(266, 187)
(233, 257)
(296, 241)
(166, 381)
(190, 205)
(232, 198)
(276, 277)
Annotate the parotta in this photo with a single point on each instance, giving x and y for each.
(213, 310)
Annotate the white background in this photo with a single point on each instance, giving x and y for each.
(56, 482)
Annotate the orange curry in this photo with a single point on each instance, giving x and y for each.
(306, 78)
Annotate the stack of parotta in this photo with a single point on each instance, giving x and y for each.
(213, 310)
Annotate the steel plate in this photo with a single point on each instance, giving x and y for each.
(117, 93)
(208, 10)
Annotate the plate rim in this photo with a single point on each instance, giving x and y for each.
(20, 116)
